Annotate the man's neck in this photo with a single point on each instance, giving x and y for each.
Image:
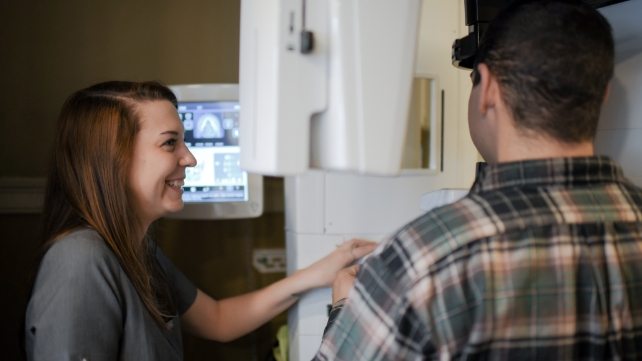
(529, 146)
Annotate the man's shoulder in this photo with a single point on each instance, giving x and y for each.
(420, 245)
(465, 219)
(487, 214)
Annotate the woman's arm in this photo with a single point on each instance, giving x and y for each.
(233, 317)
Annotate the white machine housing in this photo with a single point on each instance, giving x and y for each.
(325, 84)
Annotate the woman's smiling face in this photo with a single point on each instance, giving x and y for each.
(159, 160)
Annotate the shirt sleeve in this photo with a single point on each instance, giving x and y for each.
(378, 321)
(75, 309)
(184, 290)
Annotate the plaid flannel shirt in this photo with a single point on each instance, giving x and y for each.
(542, 260)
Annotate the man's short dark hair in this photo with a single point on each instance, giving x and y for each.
(554, 60)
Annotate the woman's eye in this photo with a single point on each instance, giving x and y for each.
(170, 142)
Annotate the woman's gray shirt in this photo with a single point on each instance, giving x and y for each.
(84, 307)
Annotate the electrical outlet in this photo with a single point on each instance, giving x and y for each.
(269, 260)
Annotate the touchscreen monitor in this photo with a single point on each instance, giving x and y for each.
(217, 187)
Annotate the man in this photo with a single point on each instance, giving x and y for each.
(543, 258)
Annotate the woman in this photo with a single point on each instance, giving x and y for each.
(104, 291)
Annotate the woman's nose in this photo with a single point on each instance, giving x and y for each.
(188, 159)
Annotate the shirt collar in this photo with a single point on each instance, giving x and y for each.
(546, 172)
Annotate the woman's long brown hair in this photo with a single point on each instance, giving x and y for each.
(87, 182)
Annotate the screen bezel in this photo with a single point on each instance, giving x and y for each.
(253, 206)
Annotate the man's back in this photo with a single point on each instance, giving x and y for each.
(542, 260)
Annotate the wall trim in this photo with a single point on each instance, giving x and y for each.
(25, 195)
(21, 195)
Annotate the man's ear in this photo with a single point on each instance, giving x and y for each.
(489, 89)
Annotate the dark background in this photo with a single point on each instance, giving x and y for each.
(48, 49)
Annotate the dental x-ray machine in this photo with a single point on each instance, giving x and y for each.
(347, 85)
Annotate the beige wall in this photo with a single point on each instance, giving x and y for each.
(49, 49)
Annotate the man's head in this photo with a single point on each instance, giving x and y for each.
(552, 61)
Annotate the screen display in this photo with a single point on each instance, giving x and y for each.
(212, 135)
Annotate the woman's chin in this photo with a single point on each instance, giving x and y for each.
(174, 208)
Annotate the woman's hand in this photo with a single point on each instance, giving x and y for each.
(324, 271)
(344, 283)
